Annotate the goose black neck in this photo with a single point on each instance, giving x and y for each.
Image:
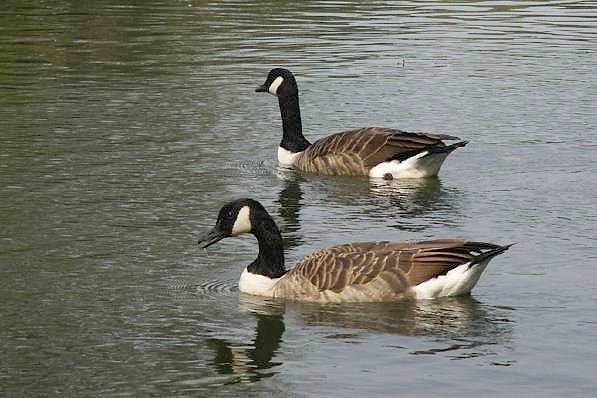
(292, 139)
(270, 260)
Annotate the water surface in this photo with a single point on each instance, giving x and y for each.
(126, 125)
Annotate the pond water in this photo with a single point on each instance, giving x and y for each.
(126, 125)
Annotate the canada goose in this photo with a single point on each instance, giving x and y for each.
(364, 271)
(373, 151)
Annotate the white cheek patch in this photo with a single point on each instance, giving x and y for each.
(242, 225)
(273, 88)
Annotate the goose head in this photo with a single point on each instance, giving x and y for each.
(279, 82)
(235, 218)
(244, 216)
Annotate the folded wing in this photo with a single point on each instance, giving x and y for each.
(378, 271)
(355, 152)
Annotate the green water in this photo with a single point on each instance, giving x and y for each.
(125, 126)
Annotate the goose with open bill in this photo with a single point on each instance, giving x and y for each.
(354, 272)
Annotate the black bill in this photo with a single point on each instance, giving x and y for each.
(211, 237)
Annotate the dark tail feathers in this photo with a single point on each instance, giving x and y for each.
(431, 149)
(489, 254)
(446, 148)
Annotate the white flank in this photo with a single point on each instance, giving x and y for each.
(242, 224)
(457, 282)
(258, 285)
(273, 88)
(285, 157)
(418, 166)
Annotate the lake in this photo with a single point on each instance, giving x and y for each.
(126, 125)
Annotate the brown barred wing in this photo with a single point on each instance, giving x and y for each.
(355, 152)
(358, 263)
(336, 272)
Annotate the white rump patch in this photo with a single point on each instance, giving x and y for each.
(273, 88)
(258, 285)
(456, 282)
(287, 158)
(242, 224)
(417, 166)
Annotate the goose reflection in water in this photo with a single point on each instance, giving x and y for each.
(251, 362)
(461, 326)
(372, 200)
(289, 204)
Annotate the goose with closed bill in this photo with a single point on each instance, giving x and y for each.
(376, 152)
